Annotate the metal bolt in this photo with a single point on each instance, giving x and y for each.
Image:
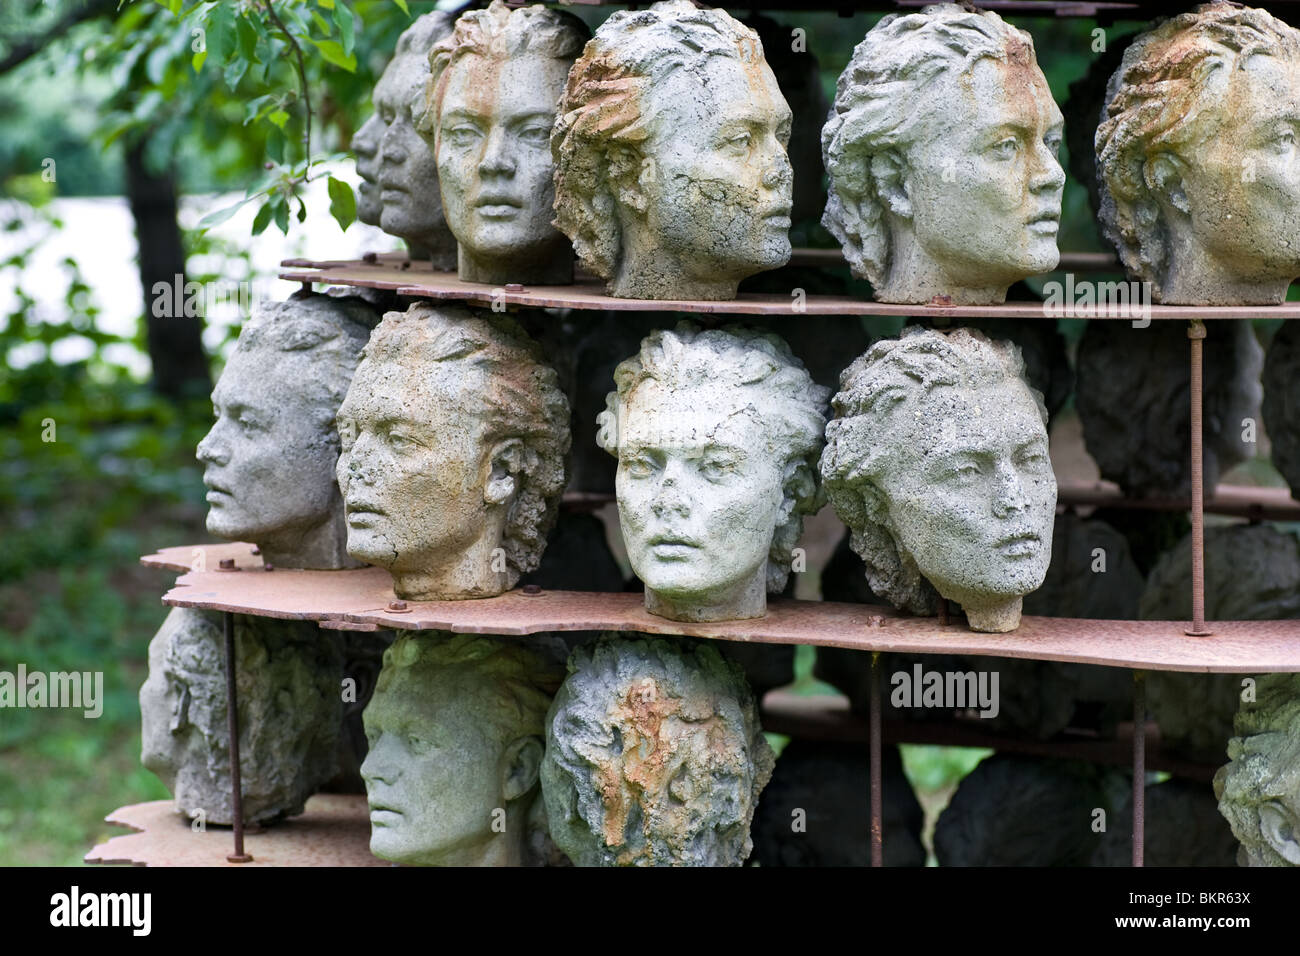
(227, 564)
(268, 566)
(941, 300)
(514, 287)
(255, 551)
(370, 257)
(532, 590)
(398, 607)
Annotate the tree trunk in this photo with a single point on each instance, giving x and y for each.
(180, 366)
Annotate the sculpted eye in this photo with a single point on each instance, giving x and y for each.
(401, 442)
(1285, 140)
(536, 135)
(740, 142)
(1054, 144)
(715, 469)
(1005, 149)
(462, 135)
(637, 467)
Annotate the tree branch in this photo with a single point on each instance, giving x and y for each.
(25, 50)
(302, 81)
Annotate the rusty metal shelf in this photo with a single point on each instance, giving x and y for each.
(360, 600)
(416, 279)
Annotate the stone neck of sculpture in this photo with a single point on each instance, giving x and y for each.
(1195, 276)
(441, 254)
(914, 276)
(551, 264)
(991, 616)
(464, 574)
(742, 602)
(646, 270)
(509, 848)
(322, 547)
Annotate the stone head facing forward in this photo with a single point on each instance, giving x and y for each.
(454, 442)
(717, 435)
(1259, 788)
(1197, 157)
(399, 178)
(671, 173)
(941, 152)
(487, 109)
(937, 460)
(456, 729)
(269, 458)
(654, 756)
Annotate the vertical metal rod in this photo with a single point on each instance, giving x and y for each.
(877, 804)
(232, 726)
(1196, 333)
(1139, 765)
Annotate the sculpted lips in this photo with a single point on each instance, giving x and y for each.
(215, 490)
(1022, 544)
(497, 206)
(778, 218)
(361, 512)
(1046, 221)
(672, 546)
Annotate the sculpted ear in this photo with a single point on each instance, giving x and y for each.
(520, 765)
(873, 502)
(892, 177)
(504, 463)
(1280, 830)
(629, 176)
(1163, 174)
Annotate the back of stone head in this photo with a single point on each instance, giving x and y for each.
(884, 102)
(496, 32)
(605, 113)
(1155, 112)
(613, 730)
(1259, 788)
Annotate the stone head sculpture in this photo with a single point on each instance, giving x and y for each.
(1197, 158)
(1259, 788)
(456, 730)
(486, 110)
(454, 438)
(290, 713)
(937, 461)
(941, 154)
(671, 173)
(717, 435)
(654, 756)
(269, 457)
(399, 178)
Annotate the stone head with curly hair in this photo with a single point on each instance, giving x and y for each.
(671, 173)
(456, 729)
(1197, 157)
(654, 756)
(717, 435)
(937, 461)
(941, 152)
(486, 110)
(1259, 788)
(455, 438)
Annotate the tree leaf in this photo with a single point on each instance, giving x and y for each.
(281, 213)
(343, 203)
(262, 219)
(403, 7)
(219, 216)
(346, 22)
(197, 59)
(332, 51)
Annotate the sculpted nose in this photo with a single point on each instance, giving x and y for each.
(670, 497)
(496, 154)
(211, 450)
(1010, 497)
(779, 172)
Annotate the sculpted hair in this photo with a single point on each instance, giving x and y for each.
(602, 123)
(1263, 762)
(289, 703)
(327, 333)
(626, 700)
(1157, 103)
(520, 678)
(497, 32)
(883, 99)
(761, 367)
(878, 395)
(506, 383)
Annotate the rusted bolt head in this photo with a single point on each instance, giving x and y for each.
(370, 257)
(875, 621)
(255, 551)
(267, 566)
(514, 287)
(227, 564)
(398, 607)
(532, 590)
(941, 300)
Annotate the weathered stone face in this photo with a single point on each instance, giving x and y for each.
(455, 730)
(938, 462)
(654, 757)
(269, 457)
(290, 713)
(673, 178)
(948, 184)
(399, 178)
(709, 429)
(1259, 788)
(453, 442)
(495, 161)
(1197, 158)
